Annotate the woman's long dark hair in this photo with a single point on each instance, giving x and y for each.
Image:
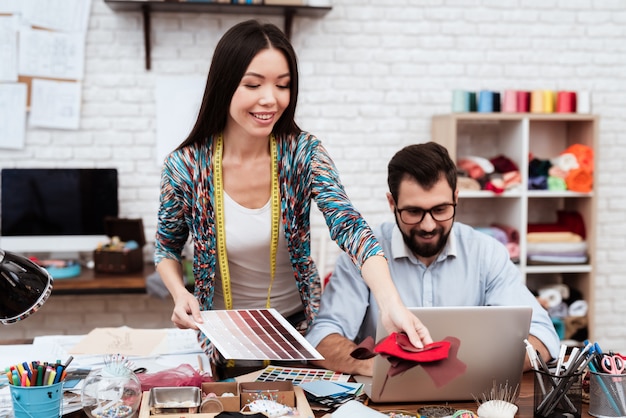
(232, 56)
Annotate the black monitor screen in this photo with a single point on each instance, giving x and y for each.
(57, 201)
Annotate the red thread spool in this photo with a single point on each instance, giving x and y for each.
(523, 101)
(566, 102)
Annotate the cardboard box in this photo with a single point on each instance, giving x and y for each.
(229, 403)
(109, 260)
(281, 392)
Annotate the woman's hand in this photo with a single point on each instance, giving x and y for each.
(399, 318)
(186, 307)
(394, 314)
(186, 311)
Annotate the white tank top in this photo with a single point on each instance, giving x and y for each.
(248, 241)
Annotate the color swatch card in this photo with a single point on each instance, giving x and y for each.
(297, 376)
(255, 334)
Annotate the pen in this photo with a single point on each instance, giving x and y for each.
(46, 375)
(40, 373)
(559, 362)
(33, 378)
(58, 372)
(53, 374)
(67, 362)
(20, 369)
(532, 357)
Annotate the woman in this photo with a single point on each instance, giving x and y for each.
(241, 185)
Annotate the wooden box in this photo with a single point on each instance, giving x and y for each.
(303, 407)
(110, 259)
(281, 392)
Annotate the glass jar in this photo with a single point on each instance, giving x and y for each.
(113, 391)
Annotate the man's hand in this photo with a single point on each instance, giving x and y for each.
(336, 350)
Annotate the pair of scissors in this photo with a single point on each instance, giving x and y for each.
(614, 364)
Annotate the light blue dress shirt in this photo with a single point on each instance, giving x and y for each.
(473, 269)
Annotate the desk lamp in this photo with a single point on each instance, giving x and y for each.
(24, 287)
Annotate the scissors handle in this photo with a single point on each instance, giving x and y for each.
(613, 364)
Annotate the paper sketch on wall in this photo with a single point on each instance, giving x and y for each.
(12, 115)
(55, 104)
(8, 48)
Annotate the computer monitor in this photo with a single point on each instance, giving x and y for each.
(56, 209)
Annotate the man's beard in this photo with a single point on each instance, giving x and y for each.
(426, 250)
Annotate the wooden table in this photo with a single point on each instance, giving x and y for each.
(524, 402)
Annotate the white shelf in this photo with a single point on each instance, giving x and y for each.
(562, 268)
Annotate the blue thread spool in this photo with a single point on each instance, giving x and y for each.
(487, 101)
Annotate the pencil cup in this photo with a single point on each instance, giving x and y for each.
(607, 395)
(37, 401)
(557, 396)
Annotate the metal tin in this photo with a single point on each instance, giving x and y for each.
(173, 400)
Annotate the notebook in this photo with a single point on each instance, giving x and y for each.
(487, 348)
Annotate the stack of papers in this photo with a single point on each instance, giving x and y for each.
(324, 388)
(331, 394)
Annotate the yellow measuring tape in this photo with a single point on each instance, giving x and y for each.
(218, 184)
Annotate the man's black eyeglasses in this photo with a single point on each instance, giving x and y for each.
(440, 213)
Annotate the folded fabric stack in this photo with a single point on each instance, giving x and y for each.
(571, 170)
(496, 174)
(556, 248)
(505, 234)
(562, 242)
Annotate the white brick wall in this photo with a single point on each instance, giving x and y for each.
(373, 72)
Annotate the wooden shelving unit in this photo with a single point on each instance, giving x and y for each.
(519, 136)
(146, 7)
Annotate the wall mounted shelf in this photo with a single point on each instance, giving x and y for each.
(148, 6)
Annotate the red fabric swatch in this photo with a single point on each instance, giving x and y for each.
(398, 345)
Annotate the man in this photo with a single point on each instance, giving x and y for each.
(434, 261)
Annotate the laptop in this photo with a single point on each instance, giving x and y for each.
(486, 349)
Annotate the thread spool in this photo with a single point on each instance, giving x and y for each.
(485, 101)
(488, 101)
(583, 102)
(566, 102)
(473, 103)
(523, 101)
(460, 101)
(536, 101)
(548, 101)
(509, 101)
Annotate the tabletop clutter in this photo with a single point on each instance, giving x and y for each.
(119, 389)
(559, 387)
